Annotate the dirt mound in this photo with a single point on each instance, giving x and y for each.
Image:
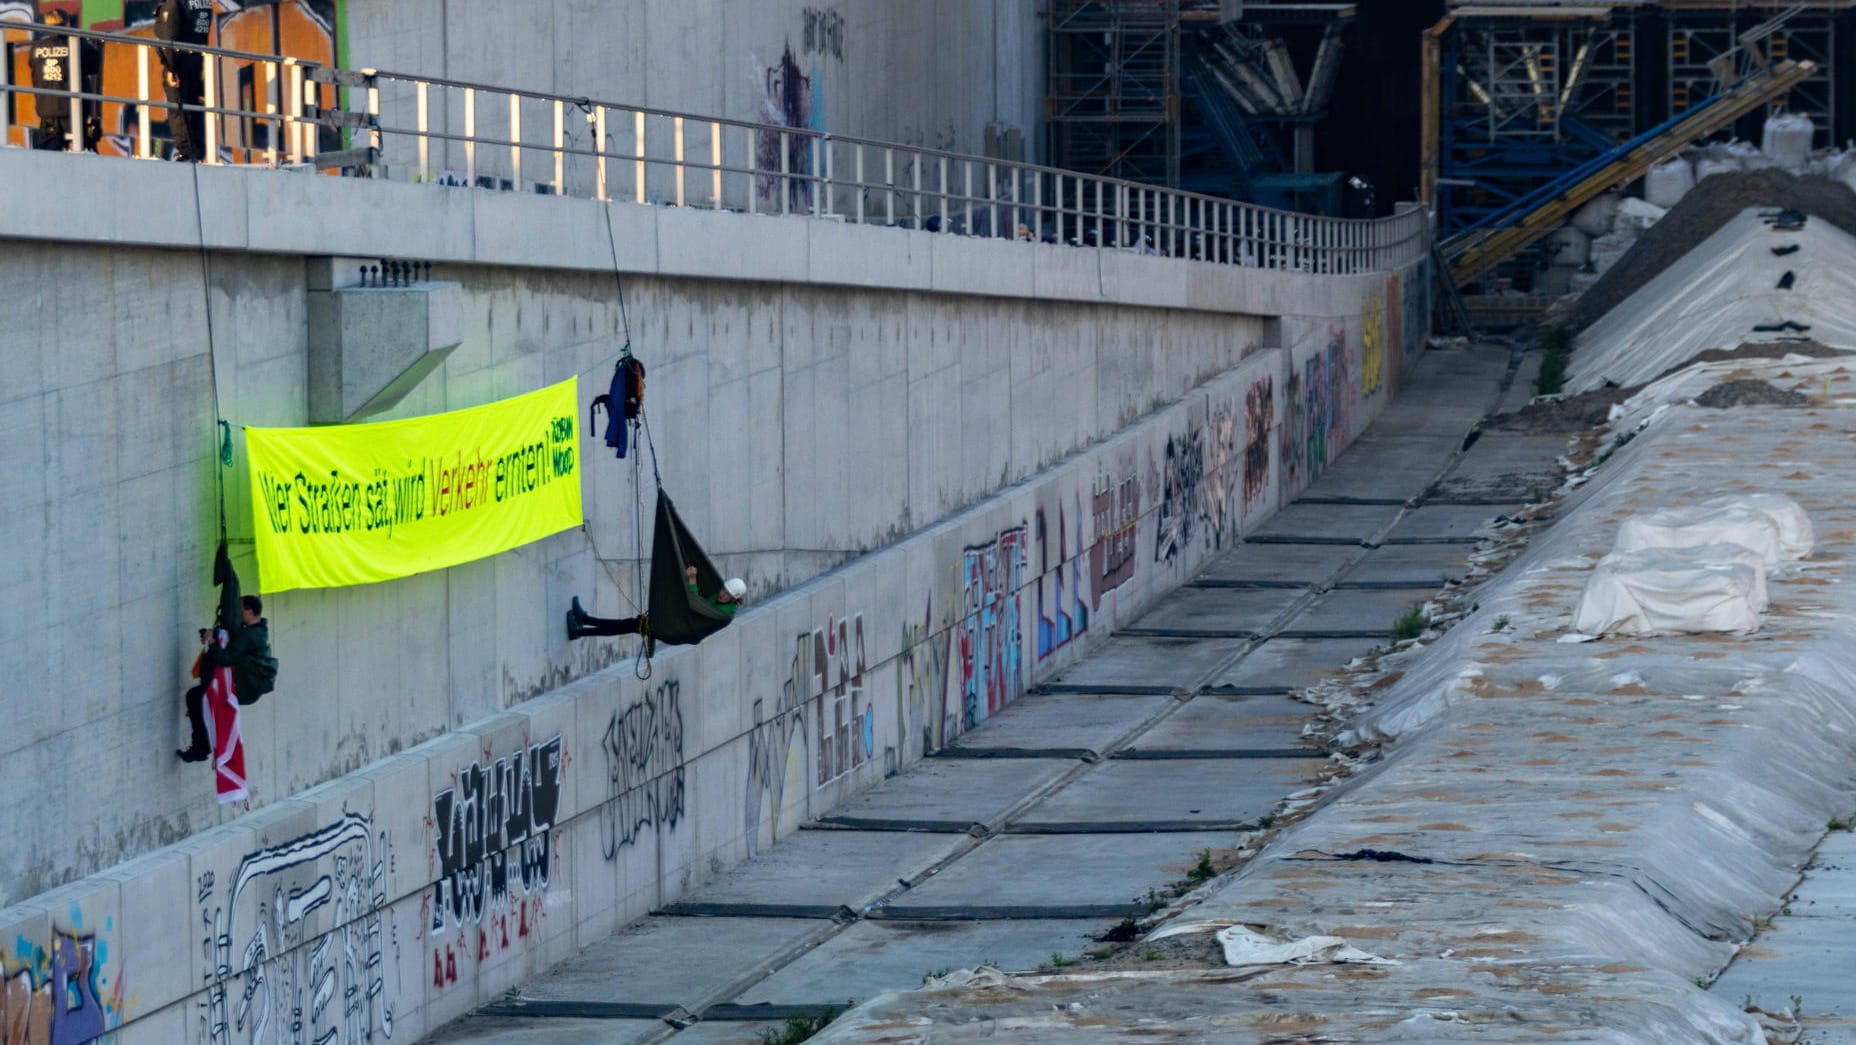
(1701, 213)
(1749, 392)
(1762, 350)
(1575, 413)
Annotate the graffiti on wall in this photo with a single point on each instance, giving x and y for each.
(1320, 411)
(1259, 418)
(1117, 508)
(1181, 469)
(776, 761)
(1372, 345)
(491, 813)
(1061, 580)
(989, 635)
(824, 32)
(1198, 482)
(59, 994)
(828, 666)
(333, 991)
(789, 102)
(643, 746)
(921, 682)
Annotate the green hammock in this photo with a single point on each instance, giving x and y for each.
(679, 616)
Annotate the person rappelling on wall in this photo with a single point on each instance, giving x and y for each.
(235, 668)
(689, 598)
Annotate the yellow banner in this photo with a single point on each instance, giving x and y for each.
(354, 504)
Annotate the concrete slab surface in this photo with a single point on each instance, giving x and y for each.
(671, 961)
(1218, 610)
(1367, 611)
(1057, 721)
(727, 1032)
(1509, 466)
(1394, 468)
(1050, 871)
(951, 792)
(1140, 794)
(826, 869)
(1214, 723)
(1274, 564)
(1441, 522)
(874, 956)
(533, 1030)
(1145, 663)
(1326, 523)
(1805, 950)
(1409, 565)
(1285, 664)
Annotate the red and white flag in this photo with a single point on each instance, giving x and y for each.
(222, 727)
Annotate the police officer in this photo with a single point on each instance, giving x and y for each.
(51, 71)
(185, 22)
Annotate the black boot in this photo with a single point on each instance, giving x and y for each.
(576, 618)
(197, 754)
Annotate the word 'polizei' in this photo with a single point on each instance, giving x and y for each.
(437, 488)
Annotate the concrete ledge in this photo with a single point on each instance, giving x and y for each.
(53, 196)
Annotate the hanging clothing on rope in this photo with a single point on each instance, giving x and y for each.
(627, 390)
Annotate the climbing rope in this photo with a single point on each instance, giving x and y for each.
(223, 429)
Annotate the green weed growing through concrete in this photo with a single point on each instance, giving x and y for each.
(1409, 624)
(799, 1028)
(1557, 342)
(1203, 871)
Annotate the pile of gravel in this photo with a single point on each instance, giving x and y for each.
(1749, 392)
(1707, 207)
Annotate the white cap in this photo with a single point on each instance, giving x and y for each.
(737, 588)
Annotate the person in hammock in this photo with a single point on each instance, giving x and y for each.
(582, 625)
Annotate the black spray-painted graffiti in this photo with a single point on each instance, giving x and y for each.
(510, 806)
(776, 753)
(644, 768)
(1180, 474)
(332, 991)
(1259, 418)
(788, 103)
(824, 32)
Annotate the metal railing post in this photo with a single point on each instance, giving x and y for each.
(967, 223)
(638, 151)
(423, 104)
(992, 201)
(786, 175)
(560, 143)
(857, 162)
(715, 163)
(470, 136)
(821, 173)
(515, 142)
(915, 177)
(889, 187)
(76, 84)
(144, 148)
(6, 93)
(1037, 207)
(273, 106)
(943, 188)
(211, 66)
(753, 200)
(676, 152)
(599, 153)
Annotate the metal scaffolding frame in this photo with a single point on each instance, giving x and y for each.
(1114, 98)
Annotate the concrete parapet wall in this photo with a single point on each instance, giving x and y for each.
(942, 479)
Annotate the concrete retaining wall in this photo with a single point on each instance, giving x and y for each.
(942, 424)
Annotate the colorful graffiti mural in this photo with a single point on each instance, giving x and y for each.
(643, 746)
(335, 990)
(1068, 615)
(487, 815)
(776, 762)
(1320, 399)
(921, 682)
(989, 635)
(59, 993)
(1372, 344)
(1259, 418)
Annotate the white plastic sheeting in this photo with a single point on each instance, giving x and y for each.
(1717, 294)
(1662, 590)
(1684, 527)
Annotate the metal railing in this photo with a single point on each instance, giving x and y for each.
(286, 112)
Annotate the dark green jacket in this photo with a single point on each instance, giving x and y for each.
(716, 604)
(248, 654)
